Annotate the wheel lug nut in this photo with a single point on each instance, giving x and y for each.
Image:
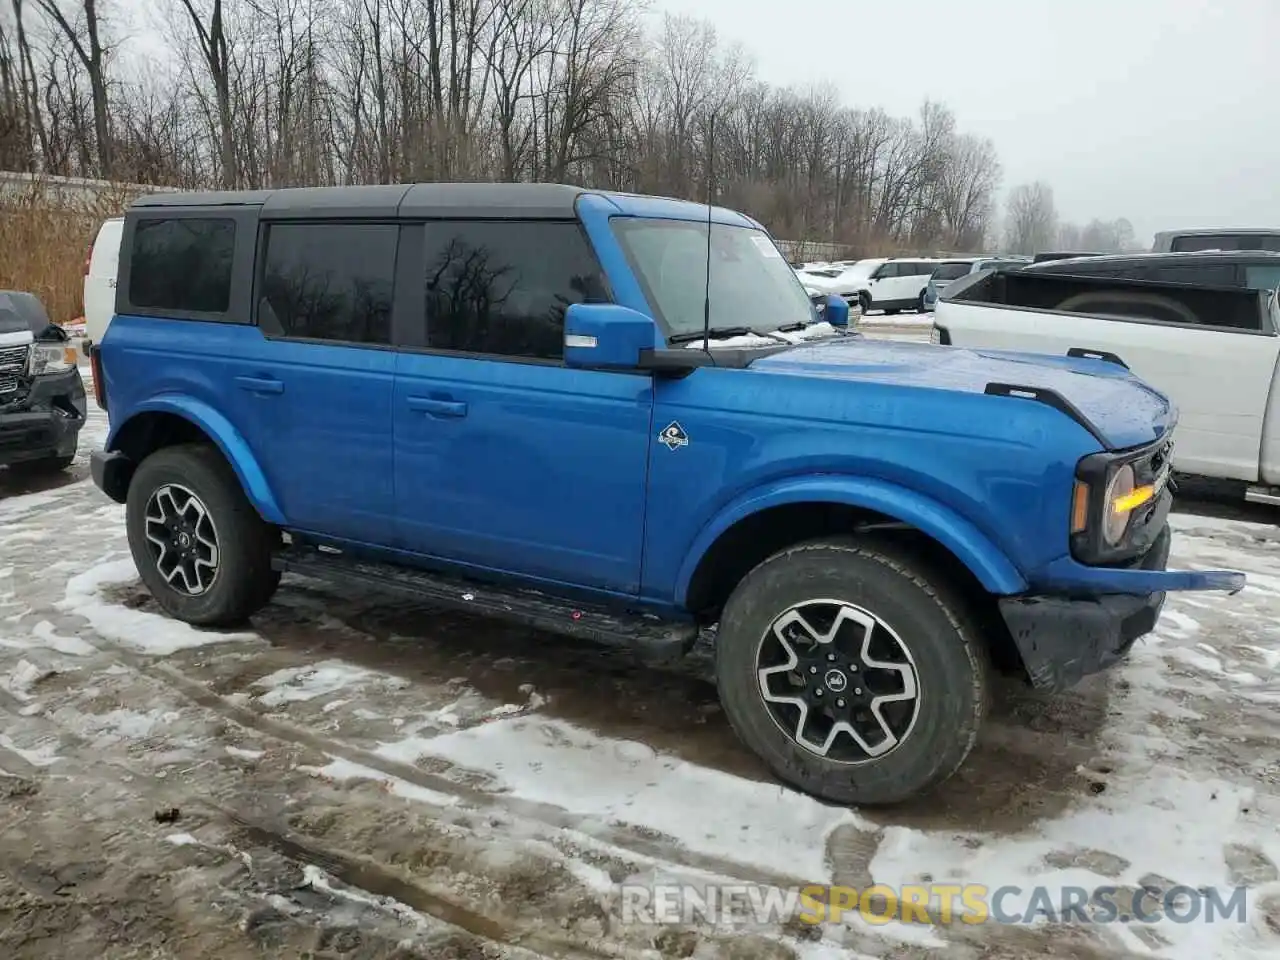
(839, 703)
(858, 691)
(818, 692)
(813, 669)
(831, 656)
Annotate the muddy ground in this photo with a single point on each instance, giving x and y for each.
(358, 777)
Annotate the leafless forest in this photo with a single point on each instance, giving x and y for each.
(259, 93)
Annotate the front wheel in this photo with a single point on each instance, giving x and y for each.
(920, 304)
(199, 545)
(851, 672)
(864, 299)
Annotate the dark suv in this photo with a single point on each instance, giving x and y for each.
(1251, 269)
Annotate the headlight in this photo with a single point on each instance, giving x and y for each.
(1123, 497)
(52, 358)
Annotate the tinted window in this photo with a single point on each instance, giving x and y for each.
(1262, 277)
(1227, 241)
(503, 287)
(329, 281)
(182, 264)
(951, 271)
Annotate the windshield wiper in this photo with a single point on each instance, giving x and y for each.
(723, 333)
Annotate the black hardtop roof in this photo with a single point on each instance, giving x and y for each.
(545, 200)
(1175, 257)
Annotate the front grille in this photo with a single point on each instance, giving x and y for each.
(13, 360)
(8, 384)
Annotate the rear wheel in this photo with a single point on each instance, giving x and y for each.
(920, 308)
(199, 545)
(851, 672)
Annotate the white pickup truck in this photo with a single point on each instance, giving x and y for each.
(1213, 350)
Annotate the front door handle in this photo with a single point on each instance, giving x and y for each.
(260, 384)
(438, 408)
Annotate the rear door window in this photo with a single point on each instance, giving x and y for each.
(329, 281)
(182, 264)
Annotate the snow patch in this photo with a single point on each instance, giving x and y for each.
(300, 684)
(21, 679)
(148, 633)
(72, 646)
(43, 755)
(242, 754)
(707, 810)
(340, 769)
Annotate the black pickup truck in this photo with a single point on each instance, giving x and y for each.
(42, 399)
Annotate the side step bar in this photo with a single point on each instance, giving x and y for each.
(1269, 495)
(650, 637)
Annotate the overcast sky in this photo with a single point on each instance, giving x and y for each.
(1163, 111)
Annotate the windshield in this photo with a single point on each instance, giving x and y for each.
(951, 271)
(751, 284)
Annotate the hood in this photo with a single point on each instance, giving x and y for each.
(21, 312)
(1123, 410)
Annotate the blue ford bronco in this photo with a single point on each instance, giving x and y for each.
(618, 417)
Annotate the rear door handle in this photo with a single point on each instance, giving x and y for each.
(260, 384)
(438, 408)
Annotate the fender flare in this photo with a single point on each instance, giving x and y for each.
(988, 563)
(228, 440)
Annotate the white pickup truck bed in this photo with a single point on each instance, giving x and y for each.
(1213, 351)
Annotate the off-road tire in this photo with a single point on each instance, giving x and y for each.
(244, 581)
(919, 606)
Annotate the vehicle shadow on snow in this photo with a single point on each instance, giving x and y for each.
(19, 481)
(1024, 768)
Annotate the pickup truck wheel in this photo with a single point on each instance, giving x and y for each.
(199, 545)
(850, 672)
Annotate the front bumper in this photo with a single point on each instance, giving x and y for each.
(1063, 639)
(45, 421)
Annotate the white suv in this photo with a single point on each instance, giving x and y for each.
(899, 284)
(100, 281)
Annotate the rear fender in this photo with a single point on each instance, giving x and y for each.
(970, 545)
(233, 446)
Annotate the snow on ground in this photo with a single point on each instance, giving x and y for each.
(352, 761)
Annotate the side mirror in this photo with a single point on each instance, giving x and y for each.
(836, 312)
(605, 336)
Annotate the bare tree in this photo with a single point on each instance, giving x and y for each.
(84, 34)
(1031, 221)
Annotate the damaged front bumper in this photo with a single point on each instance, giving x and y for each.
(1063, 638)
(44, 420)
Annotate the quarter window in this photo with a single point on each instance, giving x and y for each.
(329, 281)
(182, 264)
(502, 287)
